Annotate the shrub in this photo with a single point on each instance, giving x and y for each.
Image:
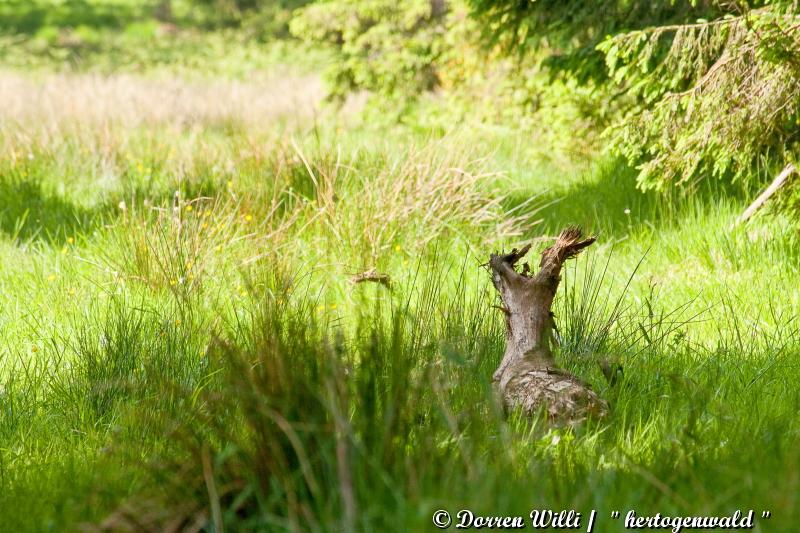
(384, 46)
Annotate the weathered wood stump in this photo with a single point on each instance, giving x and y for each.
(528, 377)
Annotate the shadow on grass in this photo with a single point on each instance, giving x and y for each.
(30, 212)
(608, 201)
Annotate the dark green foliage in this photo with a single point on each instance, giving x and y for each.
(383, 45)
(261, 18)
(715, 98)
(710, 86)
(570, 30)
(578, 21)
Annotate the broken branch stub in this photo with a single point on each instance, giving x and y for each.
(528, 376)
(373, 276)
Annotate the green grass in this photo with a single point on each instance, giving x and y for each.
(182, 341)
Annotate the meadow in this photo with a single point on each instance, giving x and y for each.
(184, 345)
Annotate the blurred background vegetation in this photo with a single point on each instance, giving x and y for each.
(683, 89)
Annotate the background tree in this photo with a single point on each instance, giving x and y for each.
(711, 87)
(717, 97)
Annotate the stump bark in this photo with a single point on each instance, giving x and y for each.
(528, 377)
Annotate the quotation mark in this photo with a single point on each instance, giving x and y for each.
(614, 514)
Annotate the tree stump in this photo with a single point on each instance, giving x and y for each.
(528, 377)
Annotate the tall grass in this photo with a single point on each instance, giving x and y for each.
(312, 428)
(183, 345)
